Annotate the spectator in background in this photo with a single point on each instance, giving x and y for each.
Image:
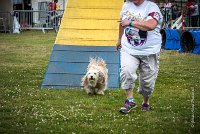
(188, 12)
(174, 10)
(53, 5)
(50, 7)
(179, 13)
(167, 6)
(167, 12)
(52, 14)
(188, 4)
(194, 13)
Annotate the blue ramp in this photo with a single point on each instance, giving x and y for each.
(68, 64)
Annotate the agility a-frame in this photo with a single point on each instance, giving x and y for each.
(88, 29)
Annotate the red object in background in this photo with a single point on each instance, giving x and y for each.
(183, 21)
(52, 6)
(188, 4)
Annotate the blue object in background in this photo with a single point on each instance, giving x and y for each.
(190, 41)
(196, 38)
(170, 39)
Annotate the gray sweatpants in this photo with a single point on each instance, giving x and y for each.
(148, 66)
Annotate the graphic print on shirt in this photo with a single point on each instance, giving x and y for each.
(135, 37)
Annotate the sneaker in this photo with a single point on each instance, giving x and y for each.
(145, 107)
(128, 106)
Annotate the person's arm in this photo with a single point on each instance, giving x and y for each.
(154, 16)
(121, 32)
(144, 26)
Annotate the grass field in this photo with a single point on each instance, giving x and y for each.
(25, 108)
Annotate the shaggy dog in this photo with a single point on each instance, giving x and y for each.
(95, 80)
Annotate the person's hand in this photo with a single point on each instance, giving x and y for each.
(124, 22)
(118, 44)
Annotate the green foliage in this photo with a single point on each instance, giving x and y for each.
(25, 108)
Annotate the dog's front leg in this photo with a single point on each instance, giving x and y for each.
(99, 92)
(91, 91)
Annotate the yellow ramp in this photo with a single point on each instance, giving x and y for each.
(90, 23)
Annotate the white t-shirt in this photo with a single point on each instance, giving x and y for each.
(138, 42)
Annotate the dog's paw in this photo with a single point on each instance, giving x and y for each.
(100, 93)
(90, 93)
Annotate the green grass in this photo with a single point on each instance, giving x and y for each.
(25, 108)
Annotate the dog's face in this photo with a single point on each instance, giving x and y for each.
(96, 77)
(92, 77)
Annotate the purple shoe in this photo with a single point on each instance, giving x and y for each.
(145, 107)
(128, 106)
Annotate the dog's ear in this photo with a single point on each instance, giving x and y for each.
(84, 81)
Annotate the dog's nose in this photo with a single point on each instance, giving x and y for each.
(91, 78)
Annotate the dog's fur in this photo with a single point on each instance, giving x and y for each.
(95, 80)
